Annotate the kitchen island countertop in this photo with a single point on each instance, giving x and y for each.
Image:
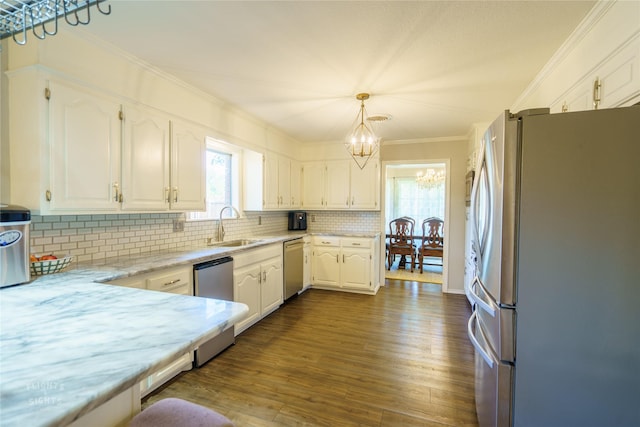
(68, 347)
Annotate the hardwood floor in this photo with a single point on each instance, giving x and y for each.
(325, 358)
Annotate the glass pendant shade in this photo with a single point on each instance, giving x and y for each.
(361, 143)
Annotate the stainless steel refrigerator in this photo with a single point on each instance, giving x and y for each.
(555, 216)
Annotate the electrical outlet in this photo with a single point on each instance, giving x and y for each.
(313, 218)
(178, 225)
(259, 220)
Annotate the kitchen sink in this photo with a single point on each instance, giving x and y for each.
(235, 243)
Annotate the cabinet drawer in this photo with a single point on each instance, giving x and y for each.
(253, 256)
(326, 241)
(356, 242)
(175, 281)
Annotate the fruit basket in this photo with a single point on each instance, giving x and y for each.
(50, 266)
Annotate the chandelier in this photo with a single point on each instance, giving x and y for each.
(362, 143)
(431, 178)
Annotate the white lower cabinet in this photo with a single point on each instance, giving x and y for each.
(257, 282)
(178, 280)
(345, 263)
(306, 268)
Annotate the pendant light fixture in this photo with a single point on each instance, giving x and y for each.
(362, 143)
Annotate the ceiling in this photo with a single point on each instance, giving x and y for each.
(435, 67)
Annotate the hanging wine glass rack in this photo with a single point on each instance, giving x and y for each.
(40, 17)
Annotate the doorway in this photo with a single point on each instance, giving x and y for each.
(418, 189)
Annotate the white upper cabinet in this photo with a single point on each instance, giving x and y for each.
(271, 182)
(145, 160)
(340, 184)
(615, 82)
(313, 184)
(284, 183)
(102, 157)
(84, 152)
(296, 184)
(188, 170)
(337, 193)
(365, 186)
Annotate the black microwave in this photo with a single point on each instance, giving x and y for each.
(297, 220)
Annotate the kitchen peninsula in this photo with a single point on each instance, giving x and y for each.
(69, 346)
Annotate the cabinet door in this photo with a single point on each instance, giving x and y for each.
(326, 266)
(145, 161)
(246, 289)
(188, 168)
(84, 138)
(337, 190)
(356, 268)
(270, 182)
(365, 186)
(284, 183)
(296, 184)
(306, 268)
(271, 289)
(313, 185)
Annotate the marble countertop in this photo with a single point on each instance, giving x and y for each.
(69, 347)
(69, 344)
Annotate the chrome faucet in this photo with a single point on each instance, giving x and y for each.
(220, 226)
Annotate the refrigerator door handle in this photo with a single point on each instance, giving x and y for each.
(485, 354)
(477, 299)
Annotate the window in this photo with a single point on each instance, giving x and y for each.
(405, 197)
(222, 180)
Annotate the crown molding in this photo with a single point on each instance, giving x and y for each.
(594, 16)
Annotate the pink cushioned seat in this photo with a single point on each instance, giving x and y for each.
(172, 412)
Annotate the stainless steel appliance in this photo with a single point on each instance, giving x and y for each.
(214, 279)
(555, 213)
(297, 220)
(14, 245)
(293, 267)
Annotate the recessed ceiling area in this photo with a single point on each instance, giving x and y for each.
(435, 67)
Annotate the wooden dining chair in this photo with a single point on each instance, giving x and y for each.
(401, 240)
(432, 243)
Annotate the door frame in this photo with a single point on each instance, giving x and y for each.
(447, 203)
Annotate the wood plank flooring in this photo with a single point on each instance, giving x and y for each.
(325, 358)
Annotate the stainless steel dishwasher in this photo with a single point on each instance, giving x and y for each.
(293, 267)
(214, 279)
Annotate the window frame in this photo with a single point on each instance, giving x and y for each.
(236, 154)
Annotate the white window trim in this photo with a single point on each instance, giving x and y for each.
(236, 176)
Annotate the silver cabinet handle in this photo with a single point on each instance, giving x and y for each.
(116, 191)
(175, 194)
(597, 86)
(171, 282)
(166, 194)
